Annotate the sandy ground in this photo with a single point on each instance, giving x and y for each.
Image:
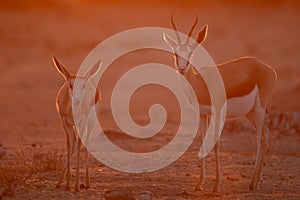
(32, 32)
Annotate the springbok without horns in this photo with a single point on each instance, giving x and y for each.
(249, 84)
(64, 99)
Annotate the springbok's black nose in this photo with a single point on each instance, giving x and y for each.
(181, 71)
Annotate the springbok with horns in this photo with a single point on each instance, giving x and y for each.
(83, 98)
(249, 84)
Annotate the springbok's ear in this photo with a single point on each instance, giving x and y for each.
(61, 69)
(93, 70)
(170, 41)
(200, 36)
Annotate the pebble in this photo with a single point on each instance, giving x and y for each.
(119, 194)
(145, 195)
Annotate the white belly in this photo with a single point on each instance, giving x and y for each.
(236, 107)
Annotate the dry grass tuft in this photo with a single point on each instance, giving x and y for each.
(26, 165)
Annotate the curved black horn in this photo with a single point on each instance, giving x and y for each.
(175, 29)
(192, 29)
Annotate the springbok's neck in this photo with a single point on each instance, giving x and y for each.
(190, 74)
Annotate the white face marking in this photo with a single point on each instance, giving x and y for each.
(78, 94)
(183, 54)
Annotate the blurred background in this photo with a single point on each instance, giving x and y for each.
(32, 31)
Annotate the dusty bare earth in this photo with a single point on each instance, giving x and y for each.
(30, 129)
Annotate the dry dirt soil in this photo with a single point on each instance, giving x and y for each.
(31, 132)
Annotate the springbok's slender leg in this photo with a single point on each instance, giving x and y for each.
(89, 128)
(217, 186)
(61, 178)
(70, 145)
(260, 158)
(78, 164)
(251, 117)
(85, 126)
(87, 140)
(87, 174)
(254, 180)
(256, 117)
(264, 144)
(203, 124)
